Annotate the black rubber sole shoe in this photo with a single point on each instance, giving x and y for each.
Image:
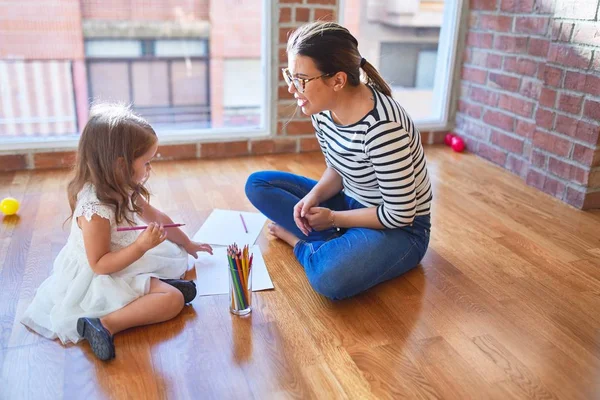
(100, 340)
(187, 288)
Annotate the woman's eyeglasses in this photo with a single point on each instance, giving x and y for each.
(299, 83)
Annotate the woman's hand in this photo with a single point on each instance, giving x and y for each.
(193, 248)
(320, 218)
(301, 210)
(152, 236)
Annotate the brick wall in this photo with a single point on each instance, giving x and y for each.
(530, 93)
(146, 10)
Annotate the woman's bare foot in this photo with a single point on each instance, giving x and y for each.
(283, 234)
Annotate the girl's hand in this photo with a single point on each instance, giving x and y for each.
(194, 247)
(301, 210)
(320, 218)
(152, 236)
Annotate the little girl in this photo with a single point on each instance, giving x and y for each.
(105, 281)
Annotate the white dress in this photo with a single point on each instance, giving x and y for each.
(73, 290)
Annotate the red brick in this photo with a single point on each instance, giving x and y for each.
(500, 120)
(302, 14)
(13, 162)
(553, 187)
(475, 129)
(591, 109)
(484, 5)
(538, 47)
(531, 88)
(575, 81)
(324, 14)
(535, 179)
(493, 154)
(474, 75)
(567, 171)
(551, 143)
(176, 152)
(505, 82)
(512, 144)
(570, 56)
(269, 146)
(437, 137)
(552, 76)
(522, 66)
(516, 165)
(596, 62)
(531, 25)
(585, 155)
(587, 132)
(285, 14)
(483, 96)
(478, 39)
(591, 201)
(330, 2)
(538, 159)
(282, 93)
(592, 85)
(569, 103)
(299, 128)
(524, 128)
(517, 6)
(54, 160)
(482, 58)
(516, 105)
(224, 149)
(497, 23)
(473, 18)
(574, 197)
(544, 7)
(544, 118)
(565, 32)
(511, 44)
(309, 144)
(472, 110)
(566, 125)
(548, 97)
(284, 33)
(555, 31)
(587, 33)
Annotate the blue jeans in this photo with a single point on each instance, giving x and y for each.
(338, 264)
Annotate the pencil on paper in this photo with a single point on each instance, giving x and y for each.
(141, 228)
(244, 222)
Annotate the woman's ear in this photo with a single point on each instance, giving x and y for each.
(339, 80)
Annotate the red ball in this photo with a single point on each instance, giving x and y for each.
(457, 144)
(448, 139)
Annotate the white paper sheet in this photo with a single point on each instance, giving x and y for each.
(211, 272)
(224, 227)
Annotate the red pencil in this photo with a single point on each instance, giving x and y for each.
(141, 228)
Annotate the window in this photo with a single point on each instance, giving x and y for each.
(413, 44)
(192, 68)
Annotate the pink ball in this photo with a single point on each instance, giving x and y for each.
(448, 139)
(457, 144)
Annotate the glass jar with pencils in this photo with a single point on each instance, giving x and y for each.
(240, 280)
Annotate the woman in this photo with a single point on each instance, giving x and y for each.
(367, 219)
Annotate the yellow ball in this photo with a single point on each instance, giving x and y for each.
(9, 206)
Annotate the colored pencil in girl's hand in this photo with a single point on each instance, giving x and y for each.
(141, 228)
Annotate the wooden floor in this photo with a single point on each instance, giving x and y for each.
(505, 305)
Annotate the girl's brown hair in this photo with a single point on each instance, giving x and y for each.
(333, 49)
(111, 140)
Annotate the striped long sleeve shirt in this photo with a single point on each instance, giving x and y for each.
(380, 159)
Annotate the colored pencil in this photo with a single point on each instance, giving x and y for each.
(243, 222)
(141, 228)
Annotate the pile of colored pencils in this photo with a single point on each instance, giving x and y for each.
(240, 265)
